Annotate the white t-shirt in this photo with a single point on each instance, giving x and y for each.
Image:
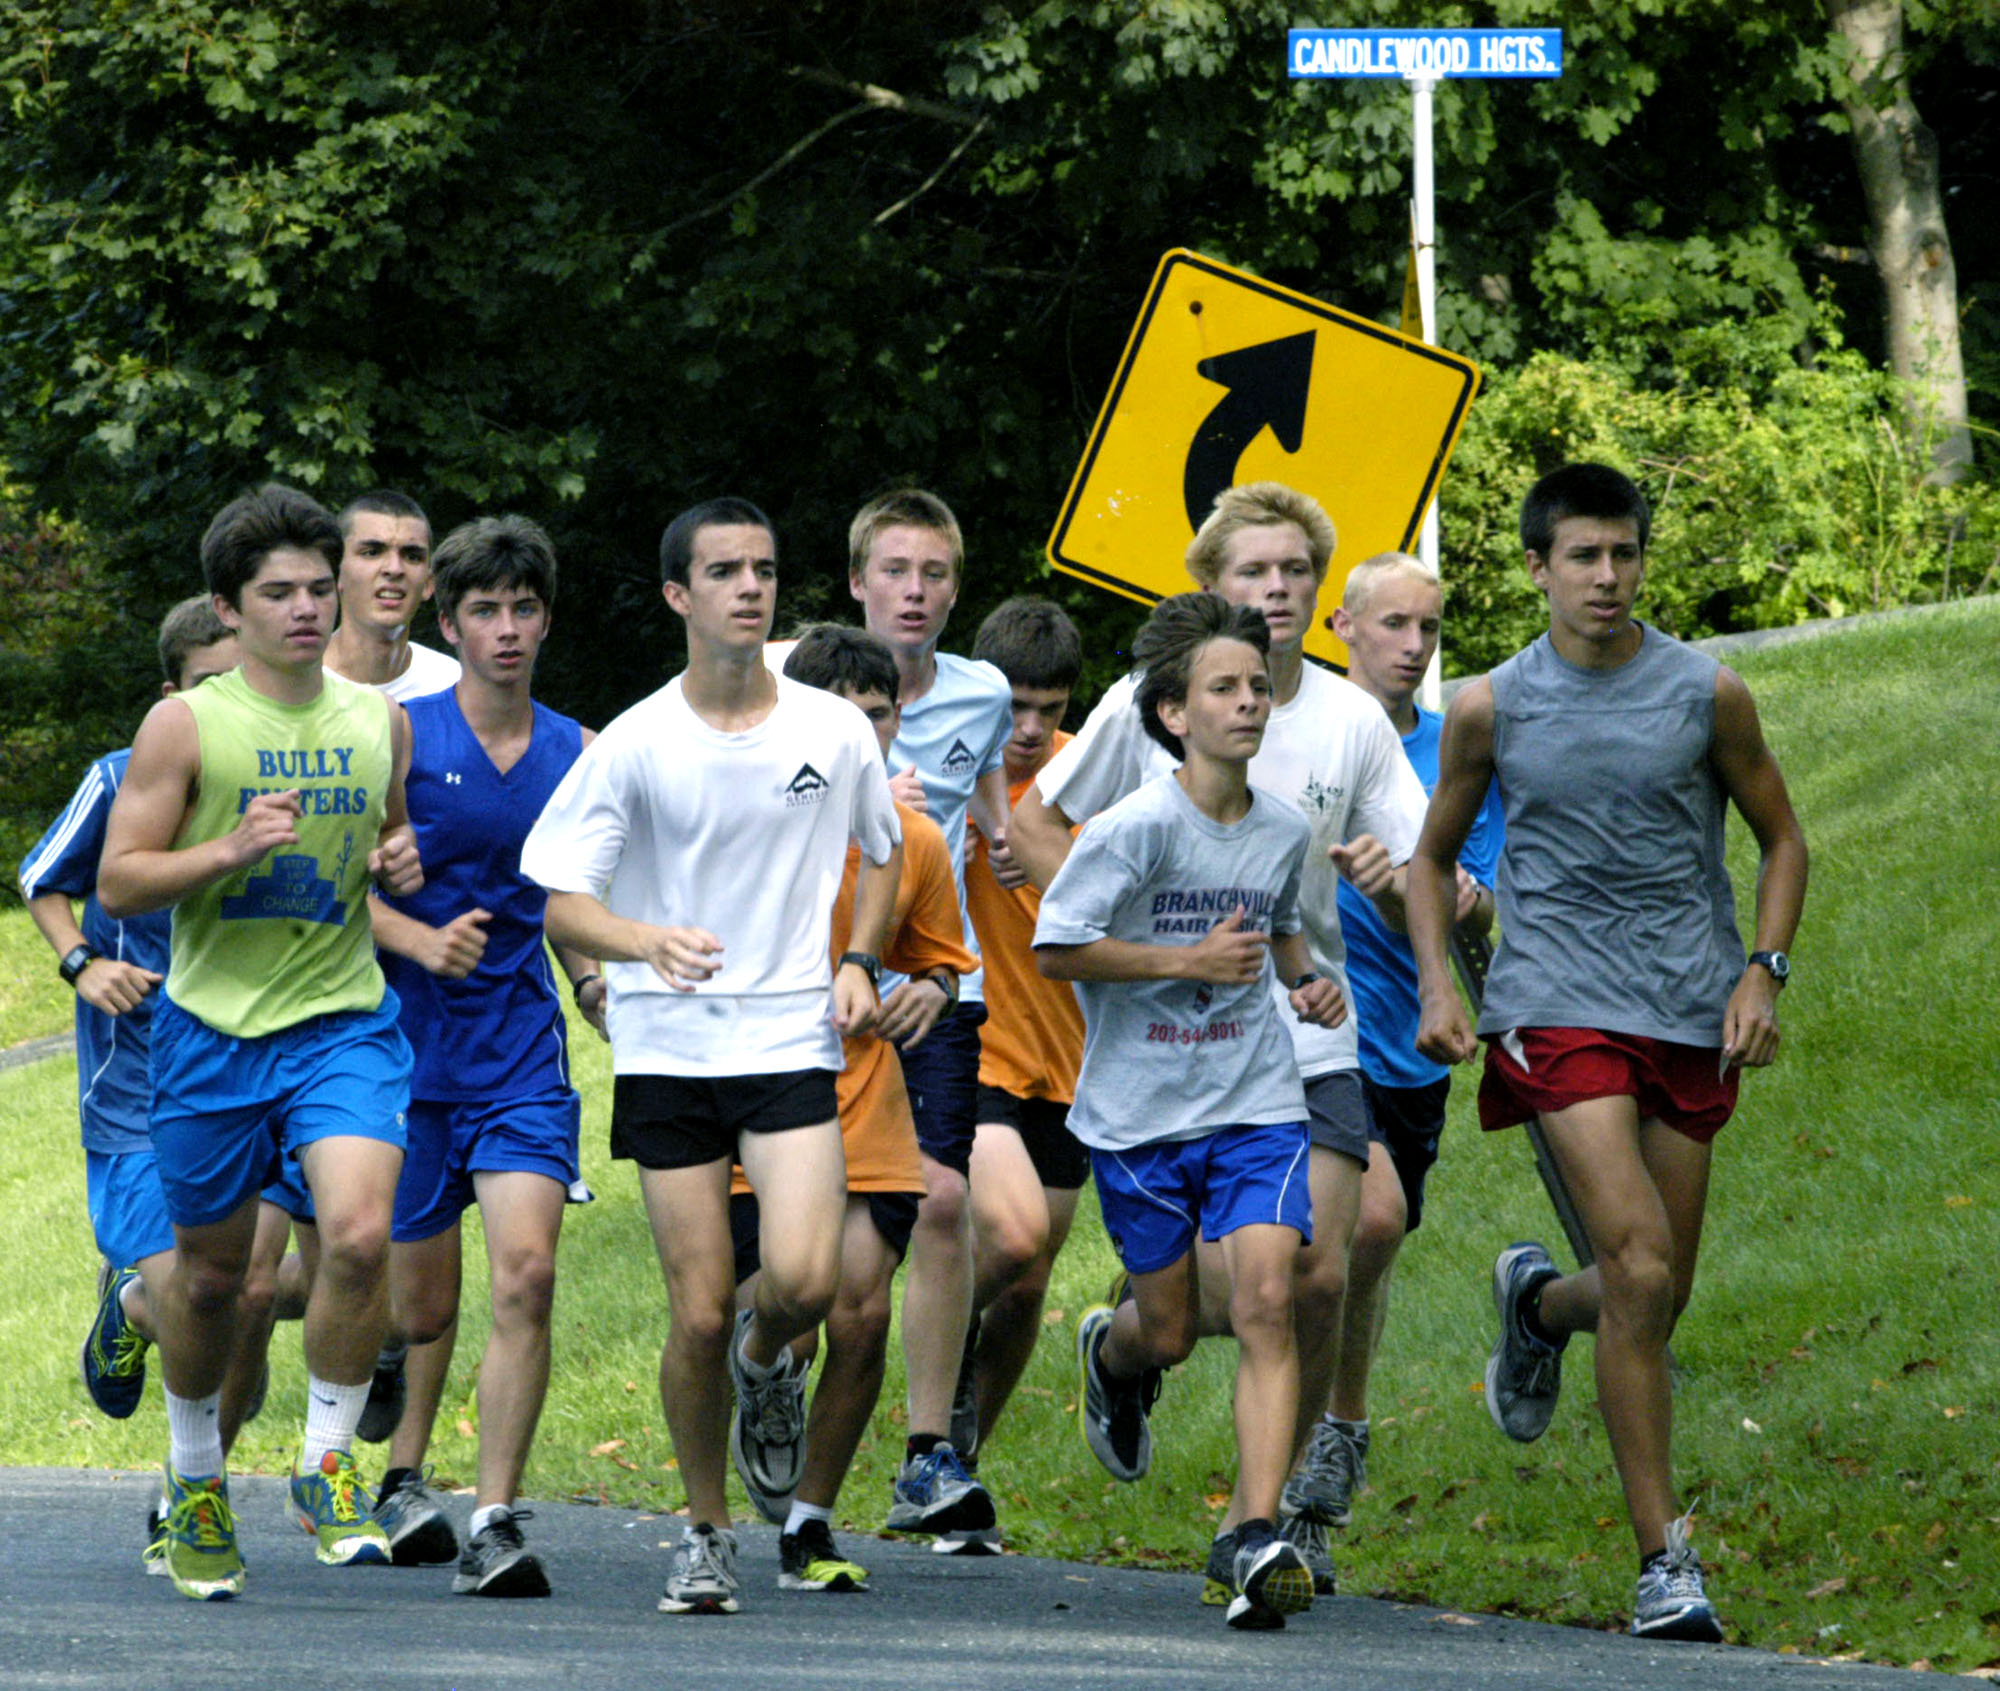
(676, 824)
(1331, 751)
(429, 672)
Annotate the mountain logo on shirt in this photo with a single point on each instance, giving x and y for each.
(959, 759)
(809, 786)
(1317, 797)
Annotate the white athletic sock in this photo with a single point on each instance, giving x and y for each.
(804, 1512)
(332, 1414)
(194, 1433)
(484, 1518)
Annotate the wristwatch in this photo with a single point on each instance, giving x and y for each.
(75, 961)
(1775, 963)
(867, 962)
(946, 981)
(1305, 979)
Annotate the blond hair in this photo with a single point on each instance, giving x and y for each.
(1259, 504)
(906, 507)
(1384, 566)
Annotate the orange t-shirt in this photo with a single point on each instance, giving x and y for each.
(1032, 1043)
(877, 1130)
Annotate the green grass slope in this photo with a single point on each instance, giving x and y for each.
(1840, 1394)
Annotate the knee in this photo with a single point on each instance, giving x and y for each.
(423, 1316)
(1320, 1282)
(1378, 1236)
(524, 1288)
(1014, 1245)
(354, 1248)
(701, 1324)
(211, 1287)
(1639, 1281)
(857, 1329)
(943, 1208)
(1260, 1307)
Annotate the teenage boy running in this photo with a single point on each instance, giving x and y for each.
(726, 798)
(493, 1116)
(1390, 616)
(906, 562)
(385, 577)
(1330, 751)
(114, 967)
(793, 1466)
(1170, 914)
(260, 806)
(1619, 1008)
(1027, 1167)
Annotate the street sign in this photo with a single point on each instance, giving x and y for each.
(1429, 53)
(1228, 378)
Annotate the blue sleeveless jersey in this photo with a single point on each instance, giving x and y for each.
(498, 1033)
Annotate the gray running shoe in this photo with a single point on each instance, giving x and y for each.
(1523, 1374)
(965, 1400)
(934, 1493)
(703, 1578)
(1335, 1467)
(419, 1531)
(1114, 1416)
(767, 1436)
(1218, 1578)
(497, 1563)
(1671, 1602)
(386, 1392)
(1309, 1536)
(1271, 1582)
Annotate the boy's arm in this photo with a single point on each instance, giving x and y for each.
(928, 946)
(107, 983)
(1313, 997)
(452, 951)
(679, 956)
(1039, 837)
(1750, 775)
(855, 1006)
(141, 870)
(1465, 767)
(1227, 955)
(990, 815)
(394, 862)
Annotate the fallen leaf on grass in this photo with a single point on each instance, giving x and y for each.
(1958, 1201)
(1953, 1413)
(1054, 1317)
(631, 1385)
(1826, 1588)
(607, 1447)
(1750, 1426)
(1922, 1365)
(464, 1428)
(1481, 1521)
(1455, 1620)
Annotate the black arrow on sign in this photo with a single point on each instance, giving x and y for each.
(1267, 386)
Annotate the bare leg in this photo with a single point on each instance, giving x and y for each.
(196, 1318)
(937, 1298)
(1371, 1258)
(523, 1214)
(256, 1311)
(1261, 1261)
(424, 1277)
(1012, 1322)
(857, 1342)
(353, 1183)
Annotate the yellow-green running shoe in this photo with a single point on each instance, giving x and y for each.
(200, 1551)
(335, 1507)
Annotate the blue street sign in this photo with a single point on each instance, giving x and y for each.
(1429, 53)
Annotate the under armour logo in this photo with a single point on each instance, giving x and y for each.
(454, 779)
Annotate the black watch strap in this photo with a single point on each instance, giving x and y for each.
(867, 962)
(75, 961)
(1774, 963)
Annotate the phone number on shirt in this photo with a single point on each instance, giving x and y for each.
(1166, 1033)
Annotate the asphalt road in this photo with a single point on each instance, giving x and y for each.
(76, 1611)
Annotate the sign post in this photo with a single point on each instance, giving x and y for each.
(1423, 58)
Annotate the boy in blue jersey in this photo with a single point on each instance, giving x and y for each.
(1170, 914)
(493, 1116)
(1390, 616)
(906, 558)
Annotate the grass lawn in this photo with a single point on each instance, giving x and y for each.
(1838, 1408)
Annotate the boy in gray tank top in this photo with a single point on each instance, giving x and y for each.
(1620, 1006)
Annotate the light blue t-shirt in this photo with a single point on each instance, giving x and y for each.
(1381, 967)
(114, 1091)
(1177, 1059)
(954, 734)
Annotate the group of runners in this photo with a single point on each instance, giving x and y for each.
(890, 968)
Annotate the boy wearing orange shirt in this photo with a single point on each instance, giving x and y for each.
(792, 1465)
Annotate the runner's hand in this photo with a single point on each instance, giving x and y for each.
(855, 1006)
(1228, 955)
(113, 987)
(1320, 1002)
(453, 951)
(683, 957)
(266, 823)
(394, 863)
(907, 789)
(1750, 1024)
(911, 1011)
(591, 1002)
(1445, 1033)
(1364, 860)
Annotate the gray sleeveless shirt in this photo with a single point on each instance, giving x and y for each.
(1615, 906)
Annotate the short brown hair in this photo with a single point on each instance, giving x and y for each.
(189, 626)
(903, 507)
(1259, 504)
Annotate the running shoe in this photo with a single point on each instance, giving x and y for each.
(1523, 1373)
(967, 1541)
(965, 1400)
(154, 1557)
(1114, 1415)
(200, 1554)
(809, 1560)
(496, 1563)
(1271, 1582)
(934, 1493)
(114, 1351)
(418, 1530)
(386, 1391)
(1310, 1539)
(1218, 1578)
(334, 1506)
(1334, 1469)
(1672, 1603)
(767, 1435)
(703, 1579)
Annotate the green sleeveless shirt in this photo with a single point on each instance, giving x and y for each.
(287, 938)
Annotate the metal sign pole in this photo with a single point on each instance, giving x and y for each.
(1424, 182)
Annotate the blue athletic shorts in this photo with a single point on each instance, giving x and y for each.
(452, 1140)
(1154, 1196)
(942, 1075)
(128, 1211)
(231, 1115)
